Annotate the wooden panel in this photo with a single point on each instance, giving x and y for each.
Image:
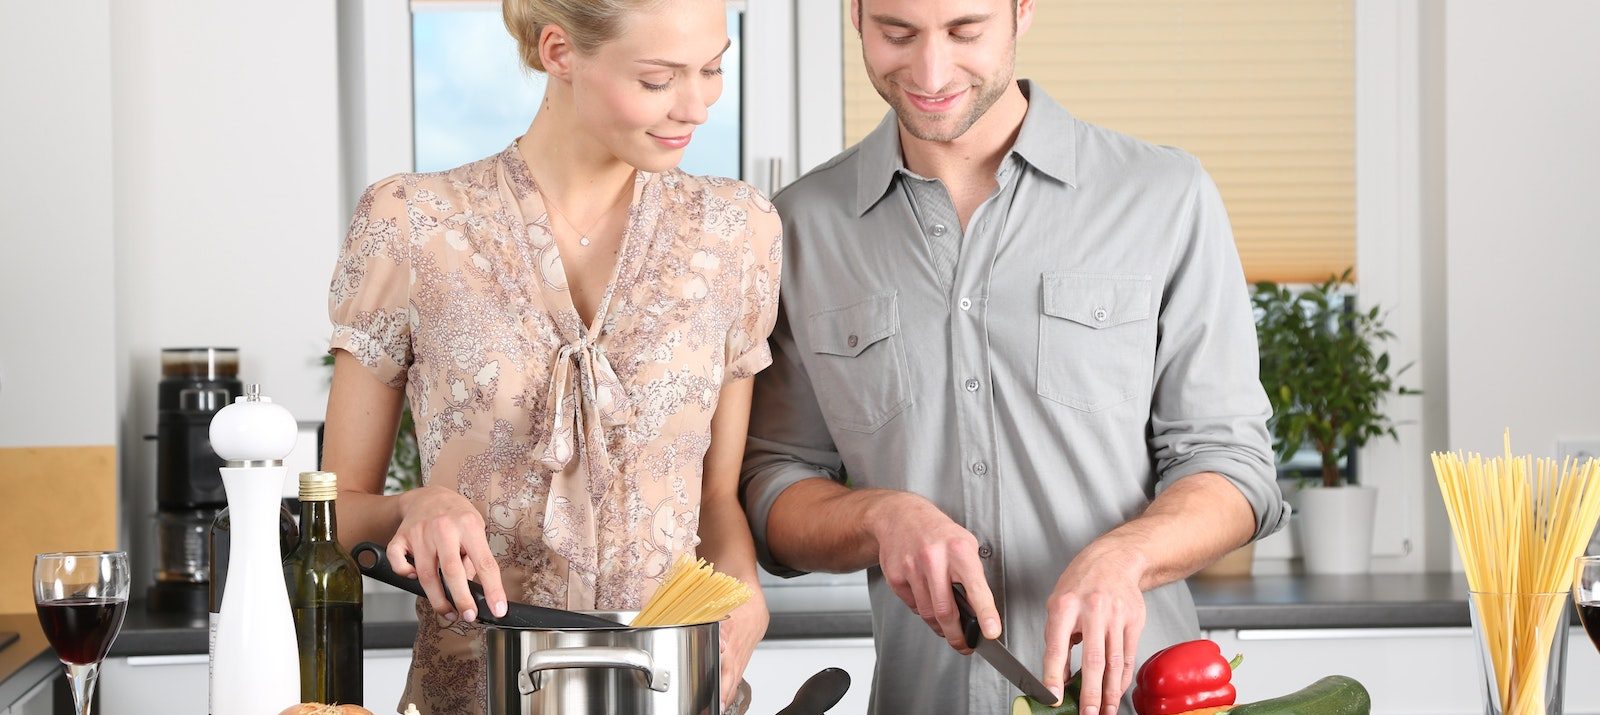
(55, 499)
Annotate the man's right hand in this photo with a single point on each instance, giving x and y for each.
(443, 532)
(922, 552)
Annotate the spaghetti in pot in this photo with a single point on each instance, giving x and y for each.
(693, 593)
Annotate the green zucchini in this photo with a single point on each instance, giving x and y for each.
(1024, 705)
(1333, 695)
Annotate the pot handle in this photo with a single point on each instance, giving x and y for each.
(591, 657)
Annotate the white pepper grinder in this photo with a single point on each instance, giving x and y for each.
(255, 664)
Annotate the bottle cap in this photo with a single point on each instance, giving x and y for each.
(319, 486)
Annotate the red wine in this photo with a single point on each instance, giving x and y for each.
(81, 629)
(1589, 613)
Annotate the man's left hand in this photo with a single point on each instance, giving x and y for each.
(1096, 602)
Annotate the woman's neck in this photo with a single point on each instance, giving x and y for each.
(570, 164)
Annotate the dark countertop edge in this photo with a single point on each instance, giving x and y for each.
(17, 683)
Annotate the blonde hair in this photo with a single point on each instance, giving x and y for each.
(588, 23)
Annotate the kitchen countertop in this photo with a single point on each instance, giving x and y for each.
(841, 611)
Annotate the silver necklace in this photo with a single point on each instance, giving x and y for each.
(583, 236)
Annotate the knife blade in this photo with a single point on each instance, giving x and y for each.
(996, 653)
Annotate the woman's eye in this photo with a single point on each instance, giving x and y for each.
(656, 87)
(713, 72)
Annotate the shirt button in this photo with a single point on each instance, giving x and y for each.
(1100, 314)
(972, 384)
(938, 230)
(979, 468)
(966, 304)
(852, 341)
(985, 552)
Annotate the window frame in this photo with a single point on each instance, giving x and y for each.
(1389, 247)
(376, 101)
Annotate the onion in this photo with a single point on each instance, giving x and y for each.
(320, 709)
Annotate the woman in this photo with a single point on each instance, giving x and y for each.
(575, 323)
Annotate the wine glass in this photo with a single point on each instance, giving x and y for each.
(81, 598)
(1586, 595)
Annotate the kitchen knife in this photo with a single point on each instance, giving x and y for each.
(996, 654)
(374, 562)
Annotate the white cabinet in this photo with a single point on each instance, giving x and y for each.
(154, 684)
(778, 667)
(1409, 671)
(179, 683)
(38, 701)
(383, 679)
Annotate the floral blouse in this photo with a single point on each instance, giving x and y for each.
(582, 446)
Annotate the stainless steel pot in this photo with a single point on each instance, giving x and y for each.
(670, 670)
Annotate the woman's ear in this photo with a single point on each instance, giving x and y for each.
(555, 51)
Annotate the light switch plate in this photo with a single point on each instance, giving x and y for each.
(1581, 449)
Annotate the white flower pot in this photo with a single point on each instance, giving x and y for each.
(1334, 526)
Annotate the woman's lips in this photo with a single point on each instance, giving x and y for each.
(672, 142)
(934, 105)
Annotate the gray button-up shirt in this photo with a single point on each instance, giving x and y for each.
(1094, 344)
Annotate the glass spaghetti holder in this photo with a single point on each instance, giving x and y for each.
(1522, 649)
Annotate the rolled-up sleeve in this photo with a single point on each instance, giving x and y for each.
(788, 442)
(1209, 412)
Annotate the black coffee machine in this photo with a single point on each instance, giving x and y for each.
(195, 384)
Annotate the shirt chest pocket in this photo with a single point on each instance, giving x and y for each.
(858, 366)
(1095, 339)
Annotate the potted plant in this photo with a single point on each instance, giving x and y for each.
(1327, 379)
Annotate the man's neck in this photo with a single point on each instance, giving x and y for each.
(977, 153)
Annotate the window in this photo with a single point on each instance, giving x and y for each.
(1262, 91)
(471, 96)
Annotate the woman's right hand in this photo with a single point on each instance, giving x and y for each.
(444, 534)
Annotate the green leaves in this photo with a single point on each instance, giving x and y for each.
(1322, 371)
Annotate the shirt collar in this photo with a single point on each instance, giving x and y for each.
(1047, 141)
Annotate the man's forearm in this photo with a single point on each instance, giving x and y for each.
(1189, 525)
(822, 525)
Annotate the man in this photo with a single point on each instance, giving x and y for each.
(1004, 331)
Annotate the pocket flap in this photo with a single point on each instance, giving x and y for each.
(849, 330)
(1097, 300)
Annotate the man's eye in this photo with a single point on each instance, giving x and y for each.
(966, 38)
(899, 39)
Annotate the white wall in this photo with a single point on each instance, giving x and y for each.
(1522, 222)
(229, 205)
(56, 320)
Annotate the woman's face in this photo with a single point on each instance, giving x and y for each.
(643, 94)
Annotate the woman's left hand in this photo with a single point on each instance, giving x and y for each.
(745, 628)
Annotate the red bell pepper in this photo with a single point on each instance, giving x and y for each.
(1187, 676)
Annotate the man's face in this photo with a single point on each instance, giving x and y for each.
(939, 63)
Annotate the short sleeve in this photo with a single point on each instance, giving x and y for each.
(747, 351)
(369, 299)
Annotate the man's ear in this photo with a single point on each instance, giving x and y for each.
(855, 15)
(1025, 10)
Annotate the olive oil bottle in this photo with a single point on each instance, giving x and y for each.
(325, 596)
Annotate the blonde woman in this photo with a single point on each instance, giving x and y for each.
(575, 323)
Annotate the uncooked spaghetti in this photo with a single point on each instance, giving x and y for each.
(693, 593)
(1519, 524)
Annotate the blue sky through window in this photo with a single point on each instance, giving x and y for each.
(472, 97)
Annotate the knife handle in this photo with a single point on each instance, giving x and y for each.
(969, 618)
